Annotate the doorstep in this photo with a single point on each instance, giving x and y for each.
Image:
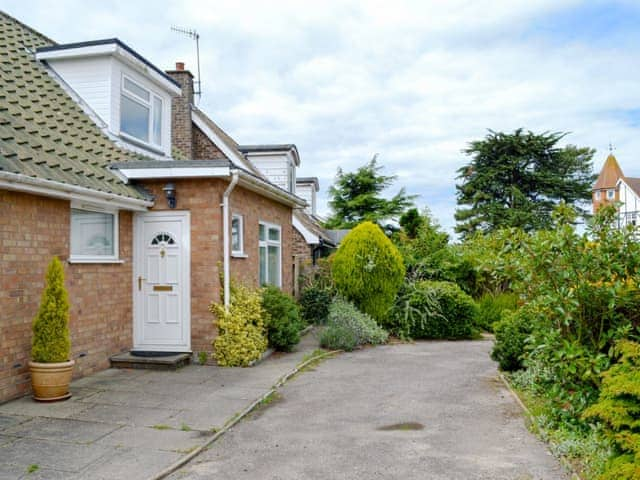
(165, 362)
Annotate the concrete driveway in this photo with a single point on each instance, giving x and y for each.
(430, 410)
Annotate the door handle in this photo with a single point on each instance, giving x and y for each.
(140, 279)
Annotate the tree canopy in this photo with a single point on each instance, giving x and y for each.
(516, 179)
(356, 197)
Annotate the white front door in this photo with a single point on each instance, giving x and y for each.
(161, 282)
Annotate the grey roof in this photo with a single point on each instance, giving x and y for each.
(44, 133)
(283, 147)
(107, 41)
(313, 180)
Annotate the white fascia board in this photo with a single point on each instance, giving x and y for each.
(230, 153)
(47, 188)
(89, 51)
(309, 237)
(175, 172)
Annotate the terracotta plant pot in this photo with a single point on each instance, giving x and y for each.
(50, 381)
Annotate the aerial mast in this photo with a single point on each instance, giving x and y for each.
(191, 33)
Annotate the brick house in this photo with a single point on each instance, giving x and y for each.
(106, 163)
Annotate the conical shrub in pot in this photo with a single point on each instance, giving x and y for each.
(51, 368)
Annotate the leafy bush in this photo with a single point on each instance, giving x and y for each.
(430, 309)
(314, 304)
(619, 409)
(491, 307)
(241, 332)
(51, 337)
(368, 270)
(347, 327)
(282, 318)
(511, 334)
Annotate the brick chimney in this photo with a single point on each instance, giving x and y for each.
(181, 125)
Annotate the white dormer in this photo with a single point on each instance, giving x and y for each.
(127, 92)
(306, 188)
(276, 162)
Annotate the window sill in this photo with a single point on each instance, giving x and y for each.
(141, 143)
(94, 260)
(239, 255)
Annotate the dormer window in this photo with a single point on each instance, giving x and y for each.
(140, 113)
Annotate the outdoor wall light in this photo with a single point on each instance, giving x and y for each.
(170, 193)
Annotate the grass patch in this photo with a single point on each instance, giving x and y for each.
(161, 427)
(185, 428)
(33, 468)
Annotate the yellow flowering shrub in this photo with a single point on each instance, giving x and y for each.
(242, 336)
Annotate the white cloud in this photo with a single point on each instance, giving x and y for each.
(414, 81)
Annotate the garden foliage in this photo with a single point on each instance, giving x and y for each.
(347, 327)
(511, 335)
(51, 338)
(282, 319)
(242, 336)
(619, 409)
(492, 307)
(431, 309)
(314, 304)
(368, 270)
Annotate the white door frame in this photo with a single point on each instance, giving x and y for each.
(138, 258)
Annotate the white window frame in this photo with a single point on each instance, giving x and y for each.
(150, 104)
(266, 243)
(611, 194)
(597, 194)
(238, 253)
(115, 258)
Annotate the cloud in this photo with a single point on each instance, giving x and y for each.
(412, 81)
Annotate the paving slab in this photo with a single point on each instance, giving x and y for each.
(155, 439)
(129, 463)
(67, 457)
(58, 429)
(7, 421)
(125, 415)
(26, 406)
(8, 471)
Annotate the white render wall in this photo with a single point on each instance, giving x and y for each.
(275, 166)
(630, 204)
(307, 192)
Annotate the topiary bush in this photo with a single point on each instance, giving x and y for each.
(348, 327)
(435, 310)
(619, 409)
(282, 318)
(242, 337)
(511, 335)
(368, 270)
(490, 308)
(51, 338)
(314, 304)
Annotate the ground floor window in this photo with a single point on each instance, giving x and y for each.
(237, 234)
(94, 234)
(270, 246)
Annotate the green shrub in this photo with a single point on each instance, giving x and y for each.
(51, 337)
(282, 318)
(429, 309)
(490, 308)
(368, 270)
(314, 304)
(348, 327)
(241, 332)
(619, 409)
(511, 334)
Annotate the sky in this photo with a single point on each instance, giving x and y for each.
(414, 82)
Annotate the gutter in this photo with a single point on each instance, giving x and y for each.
(256, 184)
(226, 238)
(38, 186)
